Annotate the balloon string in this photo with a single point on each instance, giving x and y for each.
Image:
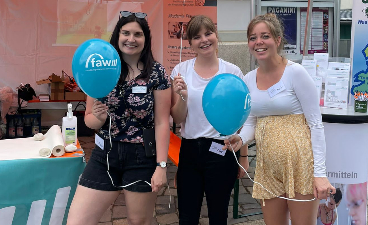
(181, 49)
(108, 165)
(290, 199)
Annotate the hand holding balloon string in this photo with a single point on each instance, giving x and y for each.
(180, 86)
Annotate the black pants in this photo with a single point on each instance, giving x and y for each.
(203, 172)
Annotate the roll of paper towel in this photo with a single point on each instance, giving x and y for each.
(54, 142)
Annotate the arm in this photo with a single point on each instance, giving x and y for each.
(162, 132)
(243, 161)
(307, 95)
(96, 113)
(179, 92)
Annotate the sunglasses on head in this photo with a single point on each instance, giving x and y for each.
(139, 15)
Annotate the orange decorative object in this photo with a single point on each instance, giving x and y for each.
(174, 148)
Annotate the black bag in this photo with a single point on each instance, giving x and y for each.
(26, 92)
(149, 142)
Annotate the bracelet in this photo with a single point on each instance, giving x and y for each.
(243, 155)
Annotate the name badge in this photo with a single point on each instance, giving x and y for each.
(276, 88)
(99, 142)
(217, 148)
(139, 89)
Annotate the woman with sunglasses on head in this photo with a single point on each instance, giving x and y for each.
(356, 197)
(140, 101)
(286, 122)
(201, 171)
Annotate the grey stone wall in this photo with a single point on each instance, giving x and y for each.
(236, 53)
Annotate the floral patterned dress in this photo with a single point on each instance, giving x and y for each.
(131, 111)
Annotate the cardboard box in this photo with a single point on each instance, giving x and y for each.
(53, 78)
(57, 91)
(75, 96)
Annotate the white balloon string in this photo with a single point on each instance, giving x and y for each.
(181, 49)
(108, 165)
(290, 199)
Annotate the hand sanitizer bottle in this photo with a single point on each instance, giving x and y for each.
(69, 127)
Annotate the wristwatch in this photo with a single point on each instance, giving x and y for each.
(162, 164)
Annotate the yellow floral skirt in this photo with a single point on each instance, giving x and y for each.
(284, 157)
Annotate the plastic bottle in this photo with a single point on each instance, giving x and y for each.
(20, 127)
(35, 126)
(69, 127)
(11, 129)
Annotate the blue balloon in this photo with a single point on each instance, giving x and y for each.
(226, 103)
(96, 67)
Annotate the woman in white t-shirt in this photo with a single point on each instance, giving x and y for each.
(286, 122)
(200, 170)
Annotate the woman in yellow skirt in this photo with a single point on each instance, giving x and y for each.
(286, 122)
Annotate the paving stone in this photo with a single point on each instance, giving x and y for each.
(231, 208)
(121, 222)
(250, 206)
(204, 202)
(167, 218)
(164, 209)
(172, 192)
(170, 176)
(163, 200)
(231, 219)
(120, 200)
(204, 221)
(106, 217)
(161, 191)
(204, 211)
(252, 163)
(247, 182)
(246, 198)
(172, 169)
(119, 212)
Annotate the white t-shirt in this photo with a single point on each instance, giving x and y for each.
(196, 124)
(299, 97)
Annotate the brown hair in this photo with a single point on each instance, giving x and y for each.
(196, 23)
(274, 25)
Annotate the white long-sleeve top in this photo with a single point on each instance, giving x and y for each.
(300, 96)
(196, 124)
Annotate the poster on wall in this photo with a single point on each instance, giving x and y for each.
(177, 14)
(318, 38)
(288, 17)
(360, 47)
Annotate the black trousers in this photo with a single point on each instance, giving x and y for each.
(203, 172)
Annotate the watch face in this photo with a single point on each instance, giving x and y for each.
(163, 164)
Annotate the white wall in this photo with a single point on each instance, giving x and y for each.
(233, 17)
(346, 4)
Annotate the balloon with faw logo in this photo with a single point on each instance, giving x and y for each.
(96, 67)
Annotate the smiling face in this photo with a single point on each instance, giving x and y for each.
(131, 39)
(262, 45)
(205, 42)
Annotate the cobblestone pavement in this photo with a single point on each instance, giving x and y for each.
(116, 213)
